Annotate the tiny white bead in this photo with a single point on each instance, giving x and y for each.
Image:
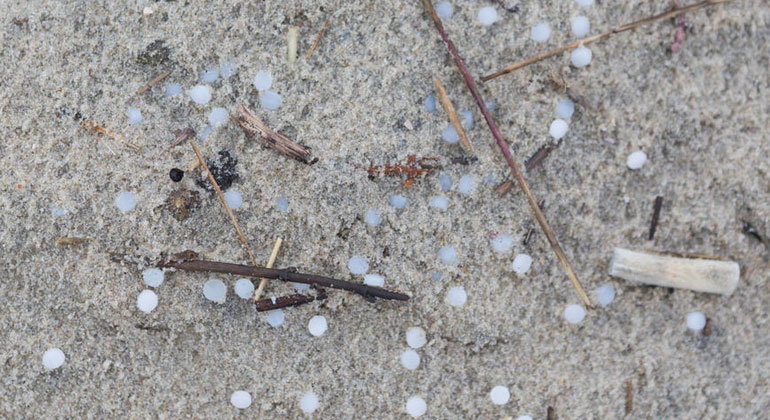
(445, 182)
(374, 280)
(240, 399)
(696, 321)
(309, 402)
(522, 263)
(456, 296)
(398, 201)
(502, 242)
(244, 288)
(605, 294)
(275, 317)
(126, 201)
(541, 32)
(416, 407)
(210, 75)
(447, 254)
(282, 204)
(487, 15)
(580, 26)
(524, 418)
(429, 103)
(270, 100)
(467, 184)
(53, 358)
(415, 337)
(565, 108)
(134, 115)
(410, 359)
(218, 117)
(317, 325)
(574, 314)
(200, 94)
(439, 202)
(263, 80)
(581, 56)
(153, 277)
(147, 301)
(173, 89)
(215, 290)
(636, 160)
(358, 265)
(500, 395)
(372, 217)
(558, 128)
(444, 9)
(449, 134)
(233, 199)
(585, 3)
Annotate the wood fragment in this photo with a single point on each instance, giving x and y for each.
(72, 240)
(655, 216)
(748, 229)
(94, 127)
(574, 92)
(537, 158)
(155, 80)
(529, 234)
(504, 187)
(550, 413)
(707, 327)
(253, 126)
(412, 169)
(270, 262)
(317, 40)
(606, 34)
(292, 42)
(629, 396)
(453, 118)
(288, 301)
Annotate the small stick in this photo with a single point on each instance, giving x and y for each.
(229, 211)
(155, 80)
(707, 327)
(255, 127)
(550, 413)
(526, 238)
(270, 263)
(504, 187)
(450, 110)
(287, 301)
(575, 93)
(606, 34)
(292, 40)
(91, 125)
(629, 396)
(541, 153)
(655, 215)
(317, 40)
(180, 136)
(71, 240)
(560, 255)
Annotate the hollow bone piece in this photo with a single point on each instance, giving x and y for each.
(698, 274)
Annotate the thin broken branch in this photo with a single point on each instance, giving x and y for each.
(288, 301)
(655, 216)
(155, 80)
(253, 126)
(317, 40)
(270, 262)
(450, 110)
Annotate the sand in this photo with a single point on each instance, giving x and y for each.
(701, 115)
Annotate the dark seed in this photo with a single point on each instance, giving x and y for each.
(176, 174)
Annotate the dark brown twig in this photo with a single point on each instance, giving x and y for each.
(629, 396)
(707, 327)
(529, 234)
(560, 255)
(655, 216)
(536, 159)
(317, 40)
(255, 127)
(287, 301)
(155, 80)
(550, 413)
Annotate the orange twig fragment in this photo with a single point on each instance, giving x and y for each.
(412, 169)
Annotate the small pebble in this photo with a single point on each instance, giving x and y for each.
(605, 294)
(240, 399)
(444, 9)
(176, 174)
(445, 181)
(410, 359)
(147, 301)
(447, 254)
(696, 321)
(244, 288)
(210, 76)
(449, 134)
(153, 277)
(565, 108)
(374, 280)
(126, 201)
(317, 325)
(500, 395)
(467, 184)
(263, 80)
(282, 204)
(398, 201)
(456, 296)
(275, 317)
(200, 94)
(522, 263)
(439, 202)
(580, 26)
(584, 3)
(270, 100)
(215, 290)
(415, 337)
(636, 160)
(358, 265)
(558, 128)
(233, 199)
(173, 89)
(574, 314)
(53, 358)
(372, 217)
(217, 117)
(416, 407)
(541, 32)
(487, 15)
(468, 119)
(309, 402)
(430, 103)
(502, 242)
(134, 115)
(581, 56)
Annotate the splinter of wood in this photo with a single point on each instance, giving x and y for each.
(450, 110)
(155, 80)
(655, 215)
(629, 396)
(288, 301)
(253, 126)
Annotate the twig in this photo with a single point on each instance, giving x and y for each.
(155, 80)
(606, 34)
(71, 240)
(255, 127)
(536, 159)
(270, 262)
(655, 215)
(629, 396)
(450, 110)
(317, 40)
(504, 187)
(707, 327)
(562, 257)
(550, 413)
(529, 234)
(287, 301)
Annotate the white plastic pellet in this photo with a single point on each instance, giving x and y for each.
(240, 399)
(275, 317)
(358, 265)
(200, 94)
(416, 407)
(467, 184)
(584, 3)
(153, 277)
(574, 314)
(317, 325)
(309, 402)
(565, 108)
(445, 181)
(244, 288)
(173, 89)
(558, 128)
(210, 76)
(456, 296)
(57, 211)
(502, 242)
(147, 301)
(439, 202)
(636, 160)
(500, 395)
(217, 117)
(522, 263)
(215, 291)
(415, 337)
(372, 217)
(53, 358)
(468, 119)
(270, 100)
(541, 32)
(227, 69)
(447, 254)
(430, 103)
(581, 56)
(605, 294)
(580, 26)
(444, 9)
(205, 132)
(491, 104)
(524, 418)
(282, 204)
(410, 359)
(299, 286)
(487, 15)
(263, 80)
(696, 321)
(449, 134)
(126, 201)
(134, 115)
(398, 201)
(233, 198)
(374, 280)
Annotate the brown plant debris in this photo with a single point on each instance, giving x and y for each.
(413, 168)
(253, 126)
